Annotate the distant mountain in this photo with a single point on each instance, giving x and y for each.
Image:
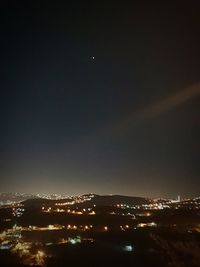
(38, 202)
(85, 200)
(118, 199)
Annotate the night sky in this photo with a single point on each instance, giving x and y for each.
(101, 98)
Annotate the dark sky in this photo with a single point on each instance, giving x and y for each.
(125, 122)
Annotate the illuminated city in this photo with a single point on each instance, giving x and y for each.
(33, 228)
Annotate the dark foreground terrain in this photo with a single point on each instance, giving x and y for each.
(60, 233)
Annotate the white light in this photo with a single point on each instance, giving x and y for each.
(72, 241)
(128, 248)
